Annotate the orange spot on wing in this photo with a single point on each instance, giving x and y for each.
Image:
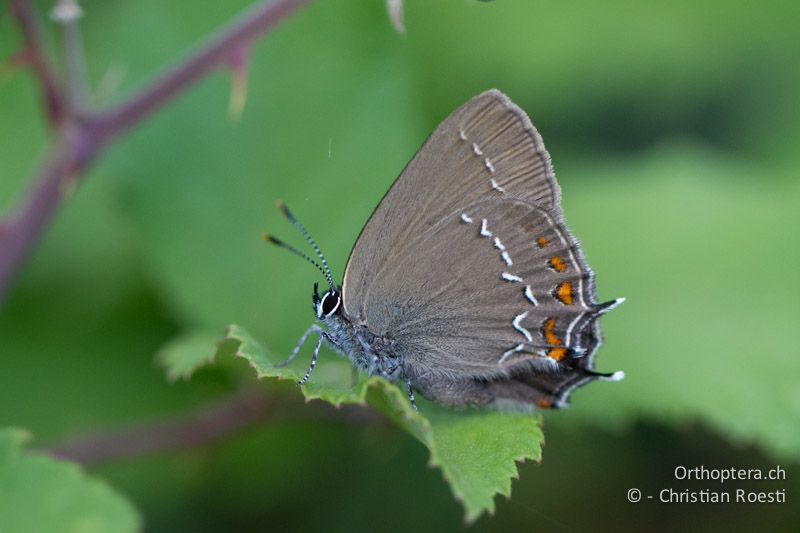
(563, 292)
(542, 242)
(544, 403)
(557, 264)
(556, 352)
(547, 332)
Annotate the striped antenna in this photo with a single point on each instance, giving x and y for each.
(277, 242)
(327, 271)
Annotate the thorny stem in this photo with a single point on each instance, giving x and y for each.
(208, 424)
(220, 48)
(33, 55)
(195, 429)
(81, 134)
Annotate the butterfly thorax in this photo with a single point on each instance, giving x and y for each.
(368, 351)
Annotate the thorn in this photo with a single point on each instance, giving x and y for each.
(66, 11)
(17, 60)
(14, 62)
(8, 68)
(395, 9)
(238, 63)
(110, 82)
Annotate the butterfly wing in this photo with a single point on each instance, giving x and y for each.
(448, 172)
(467, 266)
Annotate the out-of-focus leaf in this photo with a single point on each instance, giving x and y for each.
(38, 493)
(185, 354)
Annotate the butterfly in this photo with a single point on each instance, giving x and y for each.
(465, 284)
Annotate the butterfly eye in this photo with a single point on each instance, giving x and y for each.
(329, 304)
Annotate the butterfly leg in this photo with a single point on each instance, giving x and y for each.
(322, 335)
(410, 392)
(313, 329)
(385, 367)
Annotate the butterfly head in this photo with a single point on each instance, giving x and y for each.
(328, 304)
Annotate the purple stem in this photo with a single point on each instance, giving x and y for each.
(207, 424)
(196, 429)
(32, 38)
(80, 138)
(217, 51)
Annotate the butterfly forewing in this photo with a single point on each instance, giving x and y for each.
(449, 172)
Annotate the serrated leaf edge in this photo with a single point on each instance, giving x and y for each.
(409, 417)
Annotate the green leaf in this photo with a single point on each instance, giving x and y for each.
(188, 352)
(476, 450)
(39, 493)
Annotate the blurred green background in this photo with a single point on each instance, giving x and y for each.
(673, 129)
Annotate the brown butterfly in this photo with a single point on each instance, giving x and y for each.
(465, 283)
